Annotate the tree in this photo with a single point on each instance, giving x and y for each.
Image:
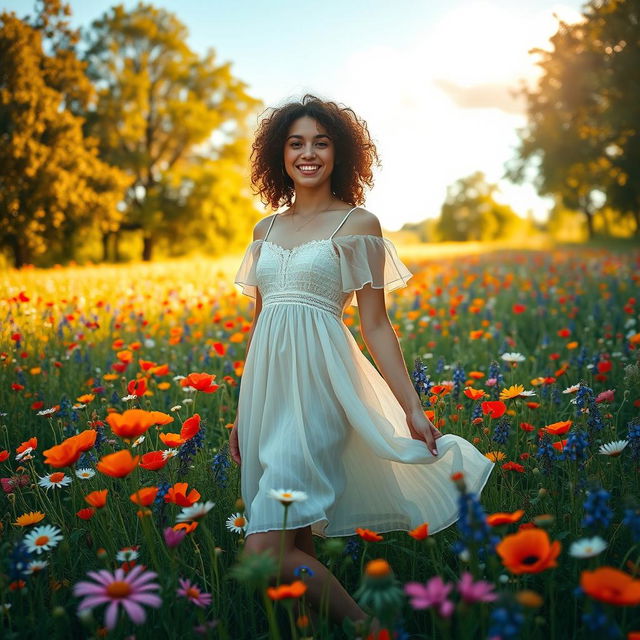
(52, 182)
(470, 212)
(582, 135)
(174, 123)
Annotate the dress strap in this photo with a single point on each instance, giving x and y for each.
(343, 221)
(273, 219)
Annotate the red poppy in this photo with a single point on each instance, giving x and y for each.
(153, 460)
(495, 408)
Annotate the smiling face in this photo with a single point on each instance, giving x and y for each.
(309, 153)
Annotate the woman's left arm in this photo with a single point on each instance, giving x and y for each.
(382, 343)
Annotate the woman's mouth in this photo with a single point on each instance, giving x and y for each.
(308, 169)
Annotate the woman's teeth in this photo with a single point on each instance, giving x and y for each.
(308, 169)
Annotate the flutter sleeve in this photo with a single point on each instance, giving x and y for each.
(370, 259)
(246, 275)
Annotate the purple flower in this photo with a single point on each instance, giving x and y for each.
(129, 590)
(431, 594)
(173, 538)
(480, 591)
(192, 593)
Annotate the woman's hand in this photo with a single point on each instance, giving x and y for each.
(234, 448)
(422, 428)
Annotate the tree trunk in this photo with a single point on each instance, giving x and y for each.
(589, 217)
(105, 246)
(147, 248)
(19, 251)
(636, 217)
(116, 246)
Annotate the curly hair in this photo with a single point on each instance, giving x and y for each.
(355, 153)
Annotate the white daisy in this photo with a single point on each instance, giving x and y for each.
(572, 388)
(195, 511)
(35, 566)
(138, 441)
(513, 356)
(178, 377)
(189, 390)
(169, 453)
(236, 523)
(79, 405)
(127, 554)
(287, 496)
(85, 474)
(528, 393)
(131, 396)
(42, 538)
(613, 448)
(149, 343)
(587, 547)
(177, 407)
(25, 455)
(54, 480)
(46, 412)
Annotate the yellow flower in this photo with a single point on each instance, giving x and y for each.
(495, 456)
(512, 392)
(28, 519)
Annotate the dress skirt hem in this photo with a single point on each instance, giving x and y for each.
(320, 531)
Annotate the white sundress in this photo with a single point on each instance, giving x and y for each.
(315, 415)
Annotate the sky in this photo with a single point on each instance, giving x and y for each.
(433, 79)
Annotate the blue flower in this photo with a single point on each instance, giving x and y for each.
(634, 439)
(303, 569)
(352, 548)
(501, 431)
(632, 520)
(597, 509)
(220, 466)
(546, 454)
(421, 381)
(506, 621)
(576, 446)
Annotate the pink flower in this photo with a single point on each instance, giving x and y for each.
(471, 591)
(431, 594)
(606, 396)
(173, 538)
(117, 588)
(193, 593)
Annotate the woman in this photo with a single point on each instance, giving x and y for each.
(314, 414)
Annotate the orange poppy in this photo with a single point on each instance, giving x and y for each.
(144, 497)
(97, 499)
(200, 381)
(161, 418)
(172, 439)
(130, 424)
(69, 451)
(30, 443)
(495, 408)
(528, 551)
(500, 517)
(368, 535)
(611, 585)
(559, 445)
(293, 590)
(187, 527)
(558, 428)
(178, 495)
(119, 464)
(420, 532)
(474, 394)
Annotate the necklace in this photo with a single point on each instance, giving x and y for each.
(311, 217)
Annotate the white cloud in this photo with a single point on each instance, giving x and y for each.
(426, 139)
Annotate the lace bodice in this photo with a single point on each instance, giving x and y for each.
(321, 273)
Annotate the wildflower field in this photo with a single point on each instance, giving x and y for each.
(120, 508)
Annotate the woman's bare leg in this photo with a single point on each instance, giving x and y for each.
(341, 604)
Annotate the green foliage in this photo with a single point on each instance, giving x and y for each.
(470, 212)
(177, 124)
(582, 136)
(52, 181)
